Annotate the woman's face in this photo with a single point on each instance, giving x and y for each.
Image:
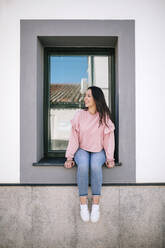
(88, 99)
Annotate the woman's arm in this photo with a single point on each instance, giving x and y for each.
(73, 144)
(109, 146)
(109, 140)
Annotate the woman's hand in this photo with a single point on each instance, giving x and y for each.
(110, 163)
(69, 163)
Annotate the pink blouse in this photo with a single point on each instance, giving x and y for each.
(87, 134)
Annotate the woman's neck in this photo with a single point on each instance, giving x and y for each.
(92, 110)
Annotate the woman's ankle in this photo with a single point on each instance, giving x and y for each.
(96, 199)
(83, 200)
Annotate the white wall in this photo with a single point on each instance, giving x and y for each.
(150, 77)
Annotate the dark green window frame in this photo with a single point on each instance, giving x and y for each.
(93, 51)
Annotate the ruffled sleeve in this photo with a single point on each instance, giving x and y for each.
(73, 143)
(109, 140)
(110, 128)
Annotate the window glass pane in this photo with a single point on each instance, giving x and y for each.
(102, 74)
(69, 77)
(60, 128)
(68, 82)
(101, 71)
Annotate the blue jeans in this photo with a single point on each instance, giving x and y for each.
(85, 159)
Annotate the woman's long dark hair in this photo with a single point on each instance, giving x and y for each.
(101, 105)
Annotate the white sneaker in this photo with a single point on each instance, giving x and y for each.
(84, 212)
(95, 213)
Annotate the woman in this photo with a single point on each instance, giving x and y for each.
(91, 143)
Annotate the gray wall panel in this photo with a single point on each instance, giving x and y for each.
(35, 34)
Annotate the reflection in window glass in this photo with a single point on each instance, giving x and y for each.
(101, 67)
(69, 78)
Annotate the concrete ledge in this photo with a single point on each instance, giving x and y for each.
(131, 216)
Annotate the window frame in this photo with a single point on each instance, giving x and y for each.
(35, 35)
(64, 51)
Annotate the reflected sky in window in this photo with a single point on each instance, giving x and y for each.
(68, 69)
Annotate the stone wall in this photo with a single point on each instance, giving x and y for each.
(48, 217)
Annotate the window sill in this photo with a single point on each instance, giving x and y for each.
(57, 162)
